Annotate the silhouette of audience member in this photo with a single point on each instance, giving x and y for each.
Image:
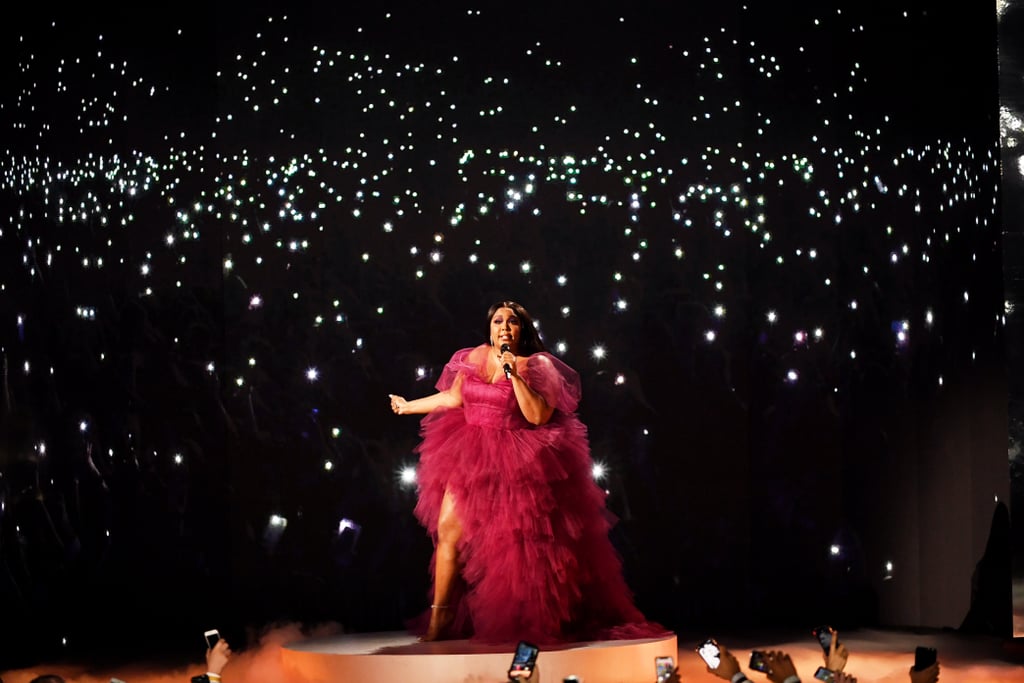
(217, 658)
(47, 678)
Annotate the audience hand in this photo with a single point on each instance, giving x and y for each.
(835, 658)
(672, 677)
(929, 675)
(844, 678)
(217, 657)
(727, 667)
(781, 666)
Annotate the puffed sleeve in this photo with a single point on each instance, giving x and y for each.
(458, 363)
(554, 380)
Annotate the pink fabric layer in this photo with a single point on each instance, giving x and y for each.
(536, 560)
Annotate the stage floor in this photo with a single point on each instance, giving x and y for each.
(884, 656)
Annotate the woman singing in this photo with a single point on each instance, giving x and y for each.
(507, 493)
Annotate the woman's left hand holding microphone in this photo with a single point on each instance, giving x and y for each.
(507, 360)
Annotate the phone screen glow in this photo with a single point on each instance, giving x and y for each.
(823, 674)
(524, 654)
(710, 654)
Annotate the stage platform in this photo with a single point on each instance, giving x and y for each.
(398, 657)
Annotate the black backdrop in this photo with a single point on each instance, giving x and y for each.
(767, 237)
(1011, 99)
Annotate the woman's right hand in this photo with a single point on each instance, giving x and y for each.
(398, 404)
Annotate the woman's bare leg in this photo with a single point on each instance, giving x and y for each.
(446, 567)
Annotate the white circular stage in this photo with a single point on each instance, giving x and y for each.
(398, 657)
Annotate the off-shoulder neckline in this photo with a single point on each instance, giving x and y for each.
(481, 367)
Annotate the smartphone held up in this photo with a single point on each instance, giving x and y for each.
(664, 667)
(825, 634)
(759, 662)
(710, 653)
(524, 661)
(823, 674)
(924, 657)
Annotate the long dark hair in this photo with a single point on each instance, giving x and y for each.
(529, 340)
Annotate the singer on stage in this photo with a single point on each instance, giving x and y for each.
(507, 493)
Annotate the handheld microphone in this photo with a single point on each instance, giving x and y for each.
(505, 348)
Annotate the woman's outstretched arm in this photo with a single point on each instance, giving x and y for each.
(449, 398)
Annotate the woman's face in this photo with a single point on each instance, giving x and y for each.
(505, 329)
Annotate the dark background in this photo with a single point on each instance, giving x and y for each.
(156, 416)
(1011, 98)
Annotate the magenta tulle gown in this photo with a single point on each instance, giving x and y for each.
(536, 561)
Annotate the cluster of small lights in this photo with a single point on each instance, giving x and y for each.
(439, 158)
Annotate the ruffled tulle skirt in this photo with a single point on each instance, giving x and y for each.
(535, 558)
